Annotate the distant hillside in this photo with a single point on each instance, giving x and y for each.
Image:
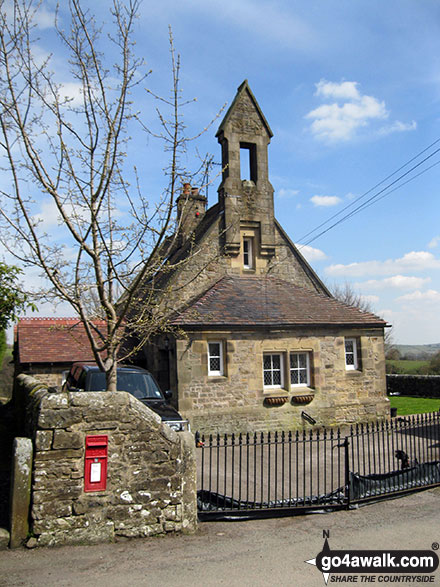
(417, 351)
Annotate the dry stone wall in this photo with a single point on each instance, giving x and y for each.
(151, 476)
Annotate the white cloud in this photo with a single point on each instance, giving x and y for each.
(371, 298)
(336, 122)
(41, 16)
(398, 126)
(287, 193)
(325, 200)
(396, 282)
(434, 242)
(342, 91)
(44, 18)
(413, 261)
(429, 296)
(347, 110)
(73, 91)
(414, 322)
(49, 216)
(310, 253)
(388, 315)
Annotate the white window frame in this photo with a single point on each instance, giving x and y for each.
(353, 353)
(248, 242)
(300, 369)
(216, 372)
(272, 370)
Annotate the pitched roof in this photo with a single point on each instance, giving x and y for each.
(269, 301)
(244, 87)
(52, 340)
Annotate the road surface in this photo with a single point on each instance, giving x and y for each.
(252, 553)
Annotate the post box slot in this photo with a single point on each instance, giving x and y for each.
(96, 441)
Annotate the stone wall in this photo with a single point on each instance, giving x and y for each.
(51, 375)
(414, 385)
(209, 264)
(239, 402)
(151, 479)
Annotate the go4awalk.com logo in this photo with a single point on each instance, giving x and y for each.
(376, 566)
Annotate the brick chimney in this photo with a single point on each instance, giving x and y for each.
(191, 208)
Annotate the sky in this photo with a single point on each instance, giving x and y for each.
(351, 91)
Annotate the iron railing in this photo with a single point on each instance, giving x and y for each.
(280, 473)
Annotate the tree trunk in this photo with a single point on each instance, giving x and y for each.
(112, 376)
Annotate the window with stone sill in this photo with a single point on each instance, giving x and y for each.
(300, 369)
(215, 359)
(273, 371)
(352, 354)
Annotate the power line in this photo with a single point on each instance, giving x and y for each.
(370, 202)
(375, 197)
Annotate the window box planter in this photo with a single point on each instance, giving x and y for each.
(275, 401)
(303, 399)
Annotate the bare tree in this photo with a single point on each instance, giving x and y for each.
(70, 152)
(347, 294)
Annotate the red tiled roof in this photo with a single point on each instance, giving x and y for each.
(269, 301)
(52, 340)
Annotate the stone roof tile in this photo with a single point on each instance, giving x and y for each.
(269, 301)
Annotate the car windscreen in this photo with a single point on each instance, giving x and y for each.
(141, 385)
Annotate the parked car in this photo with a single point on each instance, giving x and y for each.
(136, 381)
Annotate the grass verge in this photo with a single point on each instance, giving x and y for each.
(413, 405)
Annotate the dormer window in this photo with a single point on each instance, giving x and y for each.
(248, 253)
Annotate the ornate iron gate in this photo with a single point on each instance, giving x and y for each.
(282, 473)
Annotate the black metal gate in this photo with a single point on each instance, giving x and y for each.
(282, 473)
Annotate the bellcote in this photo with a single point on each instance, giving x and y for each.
(245, 192)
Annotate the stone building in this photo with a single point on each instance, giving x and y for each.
(46, 347)
(259, 339)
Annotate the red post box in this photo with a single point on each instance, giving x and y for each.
(95, 466)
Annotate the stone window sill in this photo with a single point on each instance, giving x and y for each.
(299, 391)
(275, 393)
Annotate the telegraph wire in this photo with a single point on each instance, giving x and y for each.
(369, 203)
(375, 198)
(371, 189)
